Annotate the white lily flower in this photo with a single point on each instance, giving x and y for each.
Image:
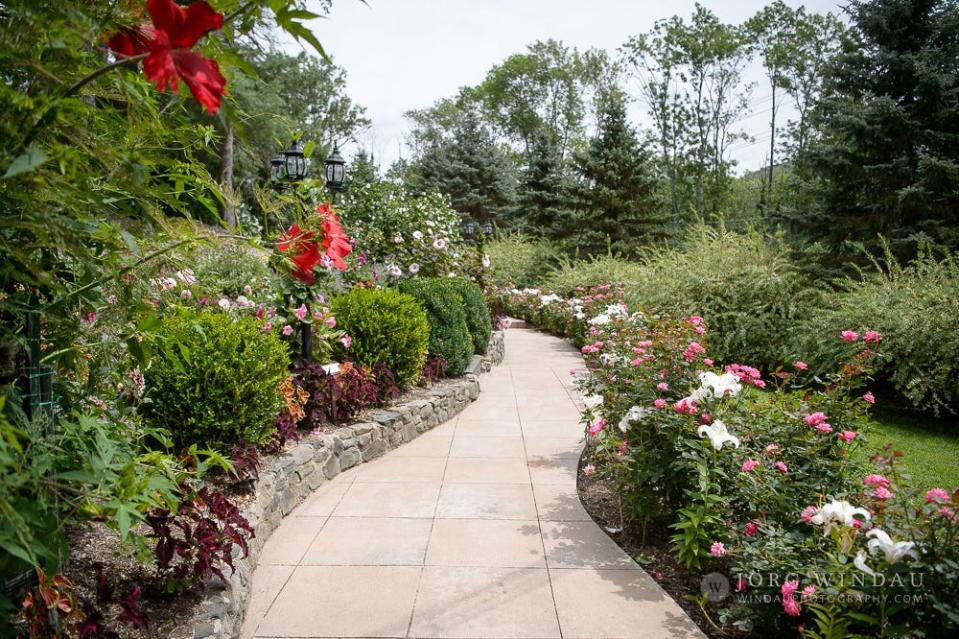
(720, 385)
(837, 513)
(634, 414)
(718, 434)
(860, 563)
(593, 401)
(893, 551)
(331, 369)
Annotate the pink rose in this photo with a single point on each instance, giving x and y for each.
(717, 549)
(872, 337)
(849, 336)
(936, 495)
(869, 398)
(331, 322)
(781, 467)
(659, 403)
(824, 428)
(287, 330)
(741, 584)
(597, 427)
(808, 513)
(751, 529)
(848, 435)
(881, 492)
(800, 365)
(808, 592)
(750, 465)
(662, 386)
(814, 419)
(875, 480)
(708, 362)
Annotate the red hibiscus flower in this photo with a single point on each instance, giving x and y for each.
(169, 42)
(303, 250)
(335, 241)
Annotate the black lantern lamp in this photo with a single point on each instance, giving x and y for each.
(488, 227)
(335, 172)
(296, 163)
(277, 172)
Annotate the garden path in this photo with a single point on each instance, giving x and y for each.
(472, 530)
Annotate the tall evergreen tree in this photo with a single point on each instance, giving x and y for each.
(886, 160)
(614, 198)
(544, 188)
(471, 168)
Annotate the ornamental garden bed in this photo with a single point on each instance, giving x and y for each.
(725, 476)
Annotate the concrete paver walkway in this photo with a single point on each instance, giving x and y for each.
(472, 530)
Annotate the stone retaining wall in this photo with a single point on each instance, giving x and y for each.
(288, 478)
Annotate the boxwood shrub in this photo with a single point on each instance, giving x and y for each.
(449, 335)
(213, 379)
(387, 327)
(477, 314)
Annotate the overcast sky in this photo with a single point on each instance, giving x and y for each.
(406, 54)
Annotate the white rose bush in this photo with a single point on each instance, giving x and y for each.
(757, 474)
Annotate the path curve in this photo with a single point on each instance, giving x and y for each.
(472, 530)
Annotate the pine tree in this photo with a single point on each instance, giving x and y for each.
(614, 199)
(471, 169)
(544, 189)
(886, 160)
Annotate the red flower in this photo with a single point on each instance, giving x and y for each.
(335, 241)
(304, 252)
(169, 42)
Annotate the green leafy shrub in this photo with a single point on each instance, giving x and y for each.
(520, 260)
(214, 379)
(449, 335)
(477, 314)
(915, 308)
(601, 269)
(387, 327)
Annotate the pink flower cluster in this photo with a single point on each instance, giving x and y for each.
(691, 351)
(592, 348)
(790, 605)
(746, 374)
(818, 421)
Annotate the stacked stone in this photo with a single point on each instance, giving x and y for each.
(287, 479)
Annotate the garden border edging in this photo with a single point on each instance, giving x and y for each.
(287, 479)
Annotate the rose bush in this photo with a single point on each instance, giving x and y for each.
(757, 475)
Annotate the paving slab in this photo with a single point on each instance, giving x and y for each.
(474, 530)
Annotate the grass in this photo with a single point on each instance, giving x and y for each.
(931, 446)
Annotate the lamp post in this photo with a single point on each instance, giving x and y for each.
(335, 171)
(287, 168)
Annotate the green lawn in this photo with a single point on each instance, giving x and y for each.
(931, 447)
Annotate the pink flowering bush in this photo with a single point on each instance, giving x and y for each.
(756, 475)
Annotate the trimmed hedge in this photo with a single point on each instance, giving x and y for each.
(477, 313)
(387, 327)
(213, 380)
(449, 334)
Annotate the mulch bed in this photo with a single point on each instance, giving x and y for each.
(600, 501)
